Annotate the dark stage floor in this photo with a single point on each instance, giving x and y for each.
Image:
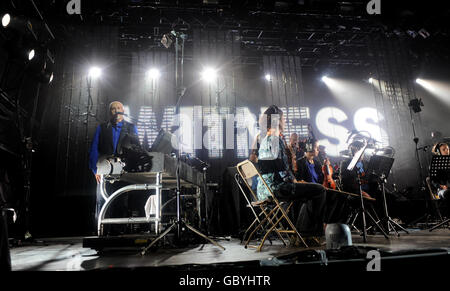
(68, 253)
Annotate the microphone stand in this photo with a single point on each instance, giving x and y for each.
(390, 223)
(179, 223)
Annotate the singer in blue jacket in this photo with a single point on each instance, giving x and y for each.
(109, 140)
(110, 137)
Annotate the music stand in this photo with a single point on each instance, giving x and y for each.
(380, 166)
(440, 171)
(352, 167)
(164, 143)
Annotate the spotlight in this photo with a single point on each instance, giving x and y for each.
(325, 78)
(371, 80)
(415, 105)
(40, 64)
(6, 19)
(418, 80)
(46, 75)
(95, 72)
(268, 77)
(153, 74)
(209, 74)
(31, 54)
(167, 40)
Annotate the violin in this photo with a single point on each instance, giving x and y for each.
(327, 171)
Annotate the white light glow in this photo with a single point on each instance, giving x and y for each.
(153, 74)
(6, 19)
(51, 78)
(268, 77)
(95, 72)
(209, 74)
(371, 80)
(30, 55)
(439, 89)
(325, 79)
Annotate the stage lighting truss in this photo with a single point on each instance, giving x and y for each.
(20, 40)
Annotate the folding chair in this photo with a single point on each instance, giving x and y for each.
(255, 206)
(271, 210)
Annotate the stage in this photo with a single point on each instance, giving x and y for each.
(419, 247)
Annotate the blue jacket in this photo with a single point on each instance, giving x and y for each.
(109, 140)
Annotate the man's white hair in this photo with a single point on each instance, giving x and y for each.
(110, 104)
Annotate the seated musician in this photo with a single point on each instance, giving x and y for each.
(310, 170)
(294, 146)
(274, 167)
(109, 140)
(443, 191)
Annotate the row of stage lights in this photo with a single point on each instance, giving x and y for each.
(45, 74)
(208, 74)
(370, 80)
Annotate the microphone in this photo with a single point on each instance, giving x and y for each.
(115, 116)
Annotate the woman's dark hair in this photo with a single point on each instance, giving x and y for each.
(267, 116)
